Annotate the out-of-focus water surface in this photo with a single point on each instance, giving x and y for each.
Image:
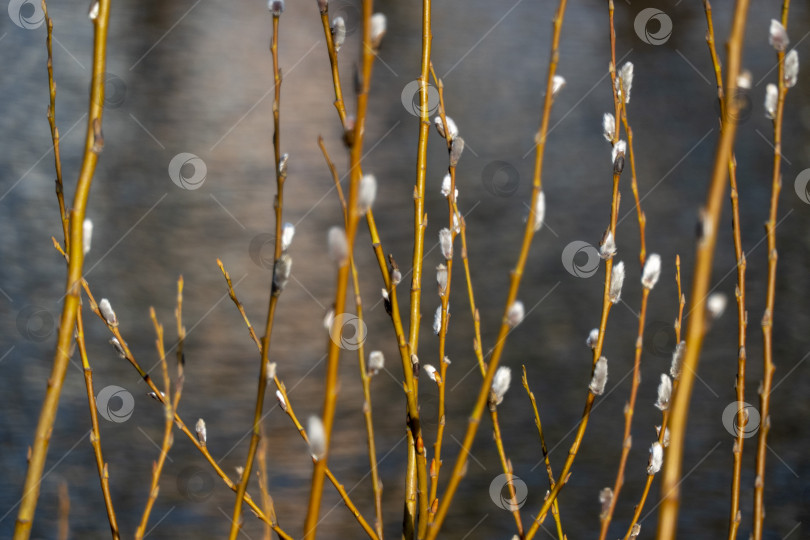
(196, 77)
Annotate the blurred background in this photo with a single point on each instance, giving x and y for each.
(196, 77)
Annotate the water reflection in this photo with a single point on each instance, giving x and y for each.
(196, 79)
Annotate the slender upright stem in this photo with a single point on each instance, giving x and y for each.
(767, 319)
(671, 477)
(94, 142)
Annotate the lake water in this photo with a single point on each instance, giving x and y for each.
(196, 77)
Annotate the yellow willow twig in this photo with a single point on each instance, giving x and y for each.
(663, 436)
(94, 142)
(169, 409)
(64, 511)
(767, 318)
(333, 62)
(368, 50)
(629, 410)
(267, 500)
(671, 477)
(742, 317)
(95, 435)
(516, 276)
(365, 378)
(57, 159)
(281, 176)
(125, 353)
(555, 508)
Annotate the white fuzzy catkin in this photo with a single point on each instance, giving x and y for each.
(600, 373)
(281, 272)
(777, 36)
(608, 247)
(431, 372)
(276, 7)
(619, 149)
(515, 314)
(616, 282)
(317, 437)
(379, 24)
(652, 271)
(338, 32)
(664, 392)
(666, 435)
(287, 233)
(376, 362)
(452, 128)
(456, 148)
(626, 78)
(446, 243)
(539, 211)
(107, 312)
(87, 235)
(338, 245)
(716, 305)
(556, 84)
(791, 68)
(118, 348)
(271, 371)
(593, 338)
(202, 433)
(771, 98)
(368, 192)
(281, 401)
(92, 13)
(441, 279)
(656, 458)
(677, 359)
(608, 126)
(500, 384)
(437, 321)
(446, 185)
